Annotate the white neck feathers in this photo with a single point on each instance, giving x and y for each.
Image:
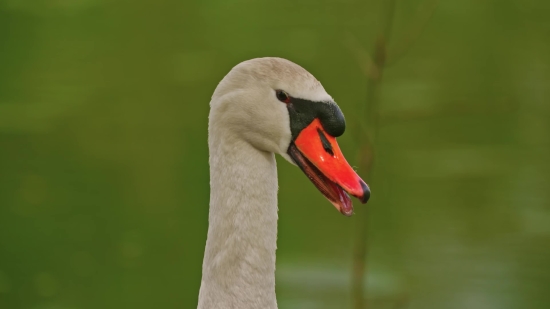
(239, 261)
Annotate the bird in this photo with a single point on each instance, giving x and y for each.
(263, 107)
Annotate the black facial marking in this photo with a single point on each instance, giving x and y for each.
(303, 112)
(326, 144)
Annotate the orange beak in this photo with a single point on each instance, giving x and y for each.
(318, 155)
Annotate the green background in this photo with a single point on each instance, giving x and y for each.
(104, 160)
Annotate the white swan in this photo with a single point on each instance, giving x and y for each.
(262, 107)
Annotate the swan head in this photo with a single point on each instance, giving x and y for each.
(277, 106)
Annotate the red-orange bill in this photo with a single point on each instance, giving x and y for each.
(318, 155)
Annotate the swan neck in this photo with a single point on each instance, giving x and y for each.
(239, 260)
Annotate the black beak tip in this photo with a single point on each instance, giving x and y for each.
(366, 192)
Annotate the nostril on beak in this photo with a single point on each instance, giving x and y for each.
(366, 192)
(326, 144)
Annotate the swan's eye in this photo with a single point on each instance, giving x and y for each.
(282, 96)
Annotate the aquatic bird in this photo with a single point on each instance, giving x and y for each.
(263, 107)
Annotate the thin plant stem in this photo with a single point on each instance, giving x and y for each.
(367, 127)
(366, 153)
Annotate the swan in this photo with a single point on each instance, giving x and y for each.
(263, 107)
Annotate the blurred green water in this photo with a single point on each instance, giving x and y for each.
(104, 164)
